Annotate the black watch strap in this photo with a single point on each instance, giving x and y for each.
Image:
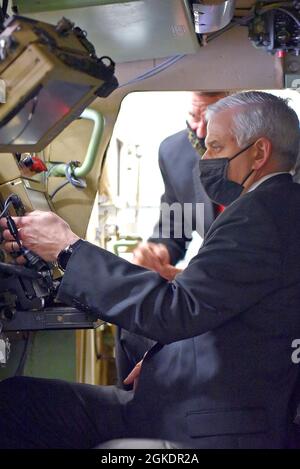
(64, 255)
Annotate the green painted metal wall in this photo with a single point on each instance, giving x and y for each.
(51, 354)
(33, 6)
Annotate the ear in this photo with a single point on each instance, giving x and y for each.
(262, 150)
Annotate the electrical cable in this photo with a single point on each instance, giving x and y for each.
(155, 70)
(19, 271)
(29, 119)
(10, 222)
(6, 206)
(213, 36)
(50, 170)
(23, 358)
(243, 21)
(161, 66)
(72, 179)
(79, 183)
(41, 267)
(51, 196)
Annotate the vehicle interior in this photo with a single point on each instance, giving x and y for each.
(88, 89)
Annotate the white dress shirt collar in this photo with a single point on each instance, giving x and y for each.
(265, 178)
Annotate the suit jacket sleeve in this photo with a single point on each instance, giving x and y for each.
(177, 245)
(238, 265)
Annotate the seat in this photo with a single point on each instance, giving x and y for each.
(140, 443)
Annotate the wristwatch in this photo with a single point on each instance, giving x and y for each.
(64, 255)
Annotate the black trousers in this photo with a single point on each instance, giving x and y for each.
(43, 413)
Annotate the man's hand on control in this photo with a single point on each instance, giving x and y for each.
(44, 233)
(155, 256)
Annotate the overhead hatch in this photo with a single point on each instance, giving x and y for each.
(126, 31)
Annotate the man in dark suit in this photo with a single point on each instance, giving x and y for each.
(179, 155)
(221, 374)
(191, 210)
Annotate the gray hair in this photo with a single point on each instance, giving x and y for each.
(259, 114)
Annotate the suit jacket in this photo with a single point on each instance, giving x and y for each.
(221, 374)
(178, 162)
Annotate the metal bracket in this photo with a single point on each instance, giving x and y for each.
(50, 319)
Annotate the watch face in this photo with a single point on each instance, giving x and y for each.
(64, 255)
(63, 258)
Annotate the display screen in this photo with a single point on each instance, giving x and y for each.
(41, 112)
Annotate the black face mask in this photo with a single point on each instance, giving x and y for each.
(197, 142)
(213, 175)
